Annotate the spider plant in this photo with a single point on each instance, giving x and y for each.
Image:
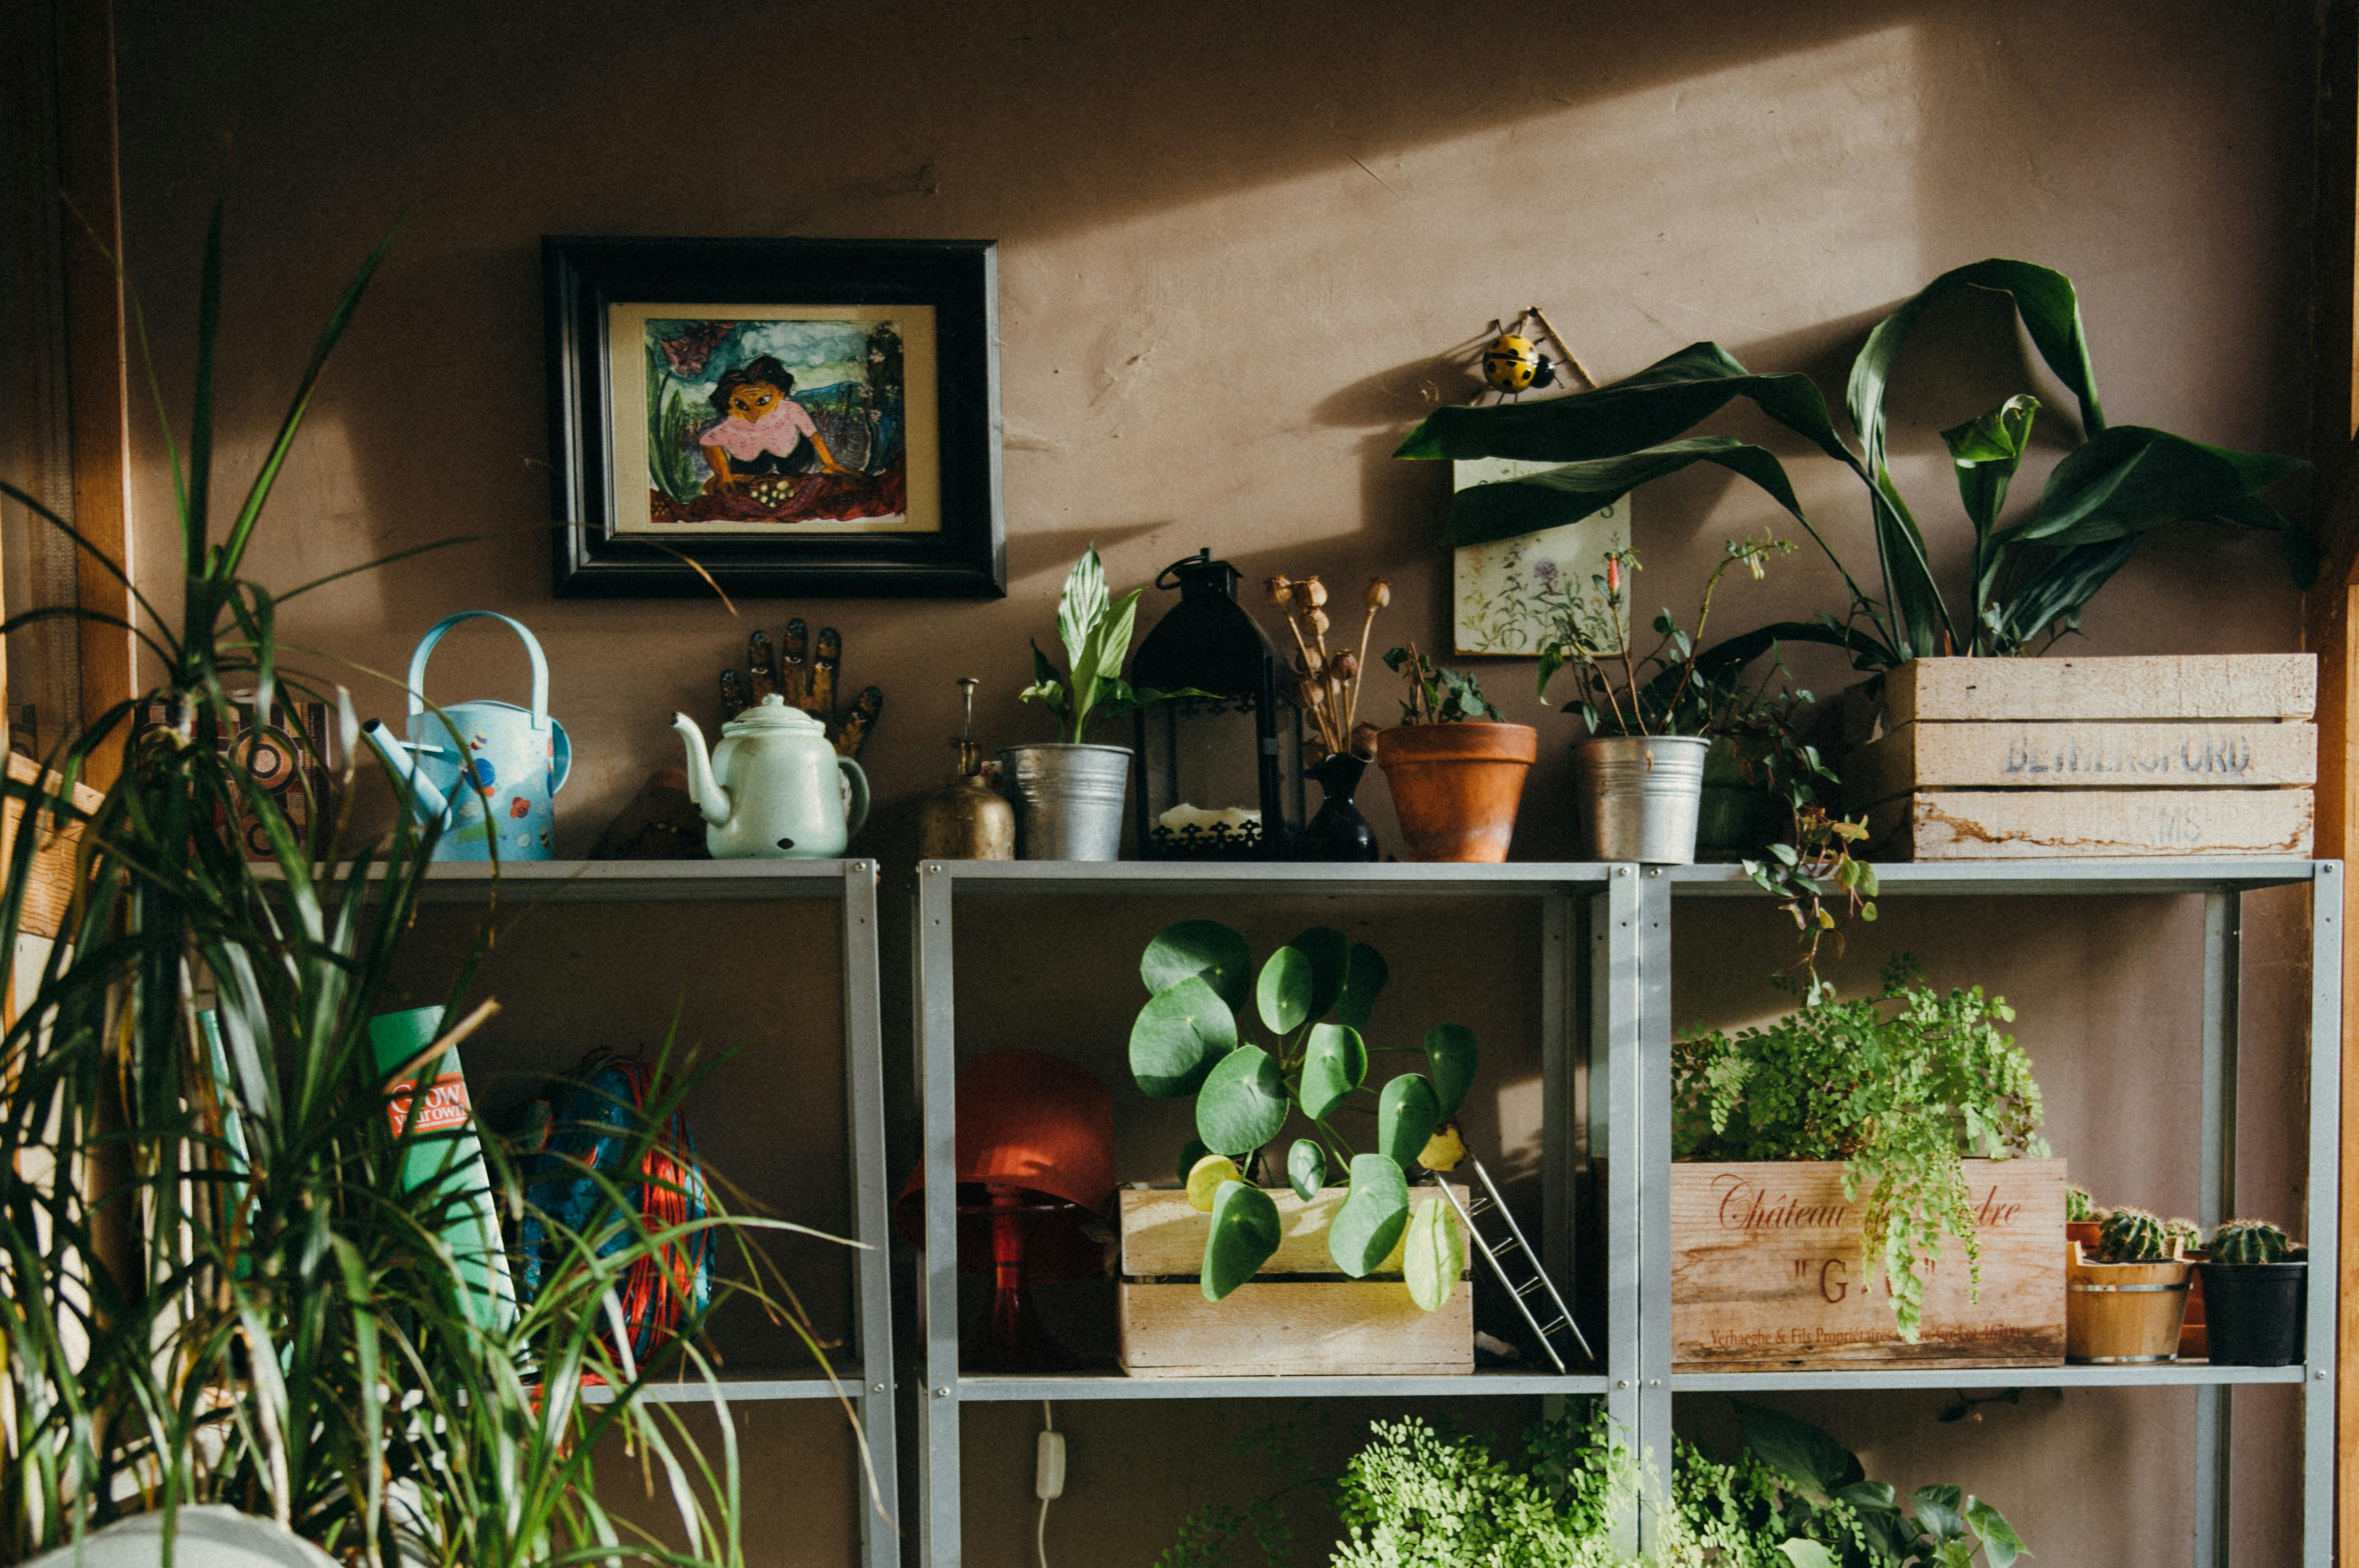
(214, 1286)
(2028, 581)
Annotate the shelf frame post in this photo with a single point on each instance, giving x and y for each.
(2215, 1405)
(938, 1544)
(863, 1042)
(2319, 1453)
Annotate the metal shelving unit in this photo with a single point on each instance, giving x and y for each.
(1625, 912)
(2222, 884)
(851, 884)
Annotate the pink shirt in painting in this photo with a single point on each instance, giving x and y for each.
(776, 431)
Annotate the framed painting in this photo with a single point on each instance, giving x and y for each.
(774, 417)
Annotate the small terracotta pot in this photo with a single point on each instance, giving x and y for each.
(1456, 787)
(2194, 1334)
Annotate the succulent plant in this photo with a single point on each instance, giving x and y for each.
(2079, 1206)
(2250, 1241)
(2133, 1236)
(2185, 1235)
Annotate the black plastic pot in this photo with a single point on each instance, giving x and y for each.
(2253, 1312)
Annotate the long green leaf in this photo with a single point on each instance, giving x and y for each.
(200, 424)
(1506, 507)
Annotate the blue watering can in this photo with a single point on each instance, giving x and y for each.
(483, 767)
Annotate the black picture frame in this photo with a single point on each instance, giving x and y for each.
(583, 276)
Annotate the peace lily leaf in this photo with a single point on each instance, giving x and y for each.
(1433, 1256)
(1178, 1037)
(2001, 1545)
(1406, 1117)
(1808, 1457)
(1330, 952)
(1368, 1224)
(1364, 974)
(1450, 1056)
(1243, 1102)
(1807, 1554)
(1938, 1511)
(1285, 990)
(1334, 1064)
(1080, 606)
(1190, 1153)
(1506, 507)
(1306, 1168)
(1245, 1234)
(1200, 947)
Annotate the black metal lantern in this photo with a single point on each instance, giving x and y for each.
(1220, 777)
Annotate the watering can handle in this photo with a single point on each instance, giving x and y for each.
(531, 645)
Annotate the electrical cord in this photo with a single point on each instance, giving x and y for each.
(1048, 1477)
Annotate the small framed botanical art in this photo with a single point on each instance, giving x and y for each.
(775, 417)
(1510, 595)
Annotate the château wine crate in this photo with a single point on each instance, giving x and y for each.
(1766, 1273)
(1299, 1316)
(2007, 758)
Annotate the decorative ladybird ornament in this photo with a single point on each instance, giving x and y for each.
(1513, 363)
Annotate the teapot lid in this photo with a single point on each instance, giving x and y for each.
(771, 716)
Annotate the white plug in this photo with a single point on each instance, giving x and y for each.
(1048, 1472)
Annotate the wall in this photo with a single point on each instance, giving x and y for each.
(1240, 243)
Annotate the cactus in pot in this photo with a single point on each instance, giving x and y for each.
(2239, 1241)
(2079, 1206)
(2133, 1236)
(2256, 1283)
(2186, 1236)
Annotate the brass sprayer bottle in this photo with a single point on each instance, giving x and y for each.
(966, 819)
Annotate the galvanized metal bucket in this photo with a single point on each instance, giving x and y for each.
(1069, 799)
(1635, 797)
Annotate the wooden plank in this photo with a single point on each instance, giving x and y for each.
(2204, 753)
(2022, 824)
(1279, 1328)
(1163, 1235)
(2191, 686)
(49, 885)
(1767, 1272)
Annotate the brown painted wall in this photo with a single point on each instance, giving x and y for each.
(1236, 240)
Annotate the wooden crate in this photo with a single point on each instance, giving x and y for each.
(49, 886)
(1299, 1316)
(2003, 758)
(1767, 1274)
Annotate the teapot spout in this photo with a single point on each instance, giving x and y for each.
(425, 800)
(703, 792)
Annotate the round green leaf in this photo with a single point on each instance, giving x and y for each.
(1189, 1152)
(1306, 1168)
(1200, 947)
(1406, 1114)
(1368, 1226)
(1178, 1037)
(1245, 1233)
(1243, 1103)
(1450, 1056)
(1434, 1257)
(1364, 974)
(1335, 1063)
(1287, 983)
(1330, 952)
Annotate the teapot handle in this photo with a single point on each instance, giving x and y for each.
(859, 812)
(531, 645)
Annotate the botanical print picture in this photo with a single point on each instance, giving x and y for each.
(765, 419)
(1510, 593)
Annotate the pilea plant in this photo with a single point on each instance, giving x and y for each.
(1902, 1088)
(2133, 1236)
(2251, 1241)
(1313, 997)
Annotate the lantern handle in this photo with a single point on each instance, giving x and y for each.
(1203, 557)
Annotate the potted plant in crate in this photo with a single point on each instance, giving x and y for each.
(1839, 1146)
(2255, 1282)
(1311, 997)
(1068, 794)
(1639, 776)
(1456, 769)
(2124, 1302)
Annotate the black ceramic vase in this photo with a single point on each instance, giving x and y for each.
(1337, 831)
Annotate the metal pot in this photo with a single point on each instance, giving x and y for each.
(1069, 799)
(1635, 797)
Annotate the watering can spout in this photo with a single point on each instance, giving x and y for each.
(424, 799)
(703, 792)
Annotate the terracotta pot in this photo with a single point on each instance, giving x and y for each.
(1456, 787)
(2116, 1313)
(2194, 1335)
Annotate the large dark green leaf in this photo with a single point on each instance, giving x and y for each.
(1434, 1255)
(1330, 952)
(1243, 1103)
(2133, 478)
(1306, 1168)
(1178, 1036)
(2054, 593)
(1243, 1237)
(1368, 1224)
(1451, 1057)
(1283, 994)
(2001, 1544)
(1334, 1064)
(1813, 1461)
(1807, 1554)
(1939, 1511)
(1986, 451)
(1200, 947)
(1506, 507)
(1407, 1114)
(1363, 979)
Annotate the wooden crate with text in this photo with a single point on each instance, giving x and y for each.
(1767, 1274)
